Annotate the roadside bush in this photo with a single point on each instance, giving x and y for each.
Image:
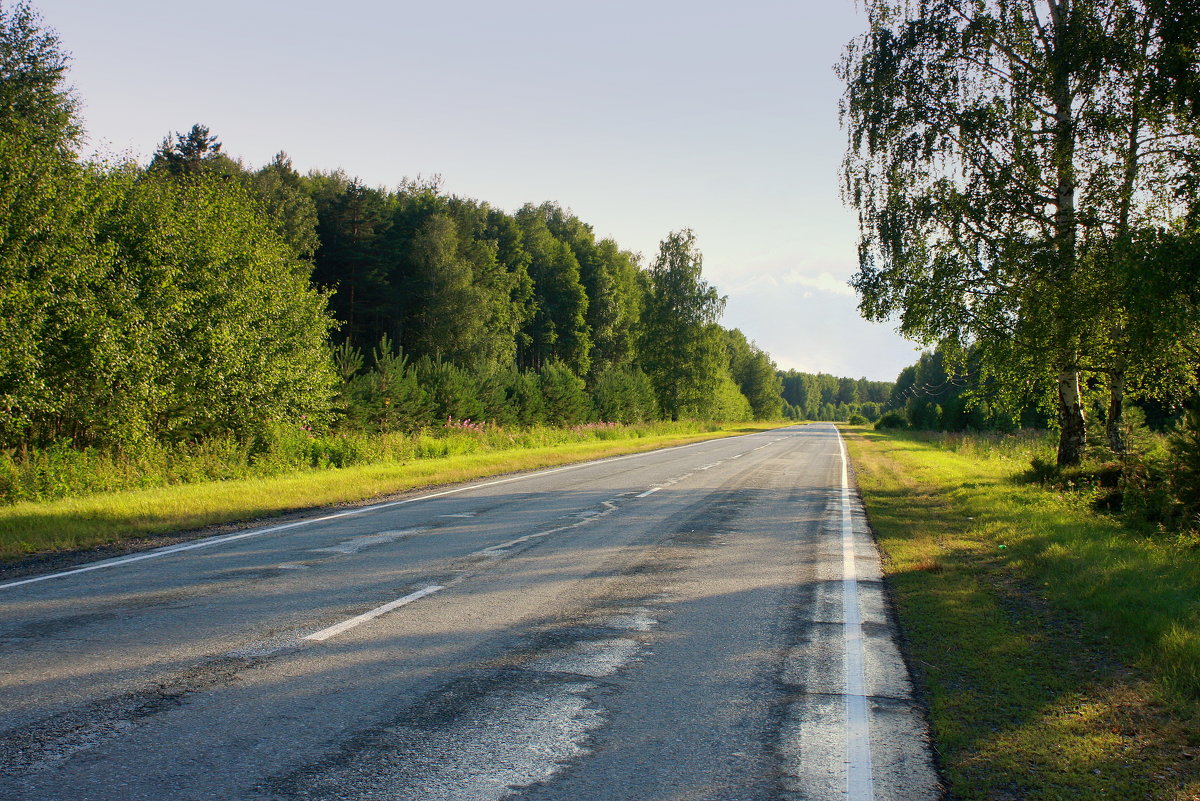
(624, 395)
(858, 420)
(563, 392)
(451, 389)
(525, 397)
(1185, 467)
(891, 420)
(389, 397)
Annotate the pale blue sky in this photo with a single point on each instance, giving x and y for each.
(642, 117)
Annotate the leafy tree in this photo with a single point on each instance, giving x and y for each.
(608, 275)
(680, 351)
(288, 205)
(558, 328)
(726, 402)
(446, 318)
(756, 376)
(981, 162)
(235, 331)
(60, 344)
(57, 343)
(34, 99)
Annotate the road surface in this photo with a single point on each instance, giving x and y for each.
(704, 622)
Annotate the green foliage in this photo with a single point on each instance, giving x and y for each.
(891, 420)
(624, 395)
(389, 397)
(680, 350)
(566, 402)
(725, 404)
(287, 204)
(558, 328)
(998, 158)
(1185, 468)
(176, 305)
(756, 376)
(230, 336)
(347, 360)
(452, 389)
(34, 101)
(525, 397)
(192, 155)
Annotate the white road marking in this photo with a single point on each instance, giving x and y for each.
(860, 784)
(650, 491)
(495, 552)
(208, 543)
(346, 625)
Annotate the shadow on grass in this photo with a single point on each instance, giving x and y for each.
(1050, 642)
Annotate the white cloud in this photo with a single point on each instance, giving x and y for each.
(825, 282)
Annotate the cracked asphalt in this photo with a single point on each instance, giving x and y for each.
(670, 625)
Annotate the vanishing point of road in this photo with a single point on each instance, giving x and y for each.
(697, 623)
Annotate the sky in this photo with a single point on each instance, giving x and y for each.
(642, 117)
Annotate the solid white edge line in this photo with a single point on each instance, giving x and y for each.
(650, 491)
(205, 543)
(860, 785)
(346, 625)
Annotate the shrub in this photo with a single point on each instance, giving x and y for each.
(624, 395)
(893, 420)
(452, 389)
(563, 392)
(525, 398)
(1185, 466)
(389, 397)
(858, 420)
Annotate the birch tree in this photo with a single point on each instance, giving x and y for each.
(985, 154)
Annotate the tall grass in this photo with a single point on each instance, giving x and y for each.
(62, 471)
(1059, 647)
(299, 473)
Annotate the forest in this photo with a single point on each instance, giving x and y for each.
(195, 297)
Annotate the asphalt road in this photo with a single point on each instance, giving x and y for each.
(704, 622)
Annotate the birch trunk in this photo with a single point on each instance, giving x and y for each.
(1114, 425)
(1072, 424)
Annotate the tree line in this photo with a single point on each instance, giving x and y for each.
(821, 396)
(196, 296)
(1025, 177)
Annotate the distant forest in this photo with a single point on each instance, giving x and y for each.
(195, 296)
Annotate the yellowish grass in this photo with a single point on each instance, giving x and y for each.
(104, 519)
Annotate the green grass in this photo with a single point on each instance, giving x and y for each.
(1059, 650)
(107, 518)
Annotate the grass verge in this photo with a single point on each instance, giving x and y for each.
(1058, 650)
(75, 523)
